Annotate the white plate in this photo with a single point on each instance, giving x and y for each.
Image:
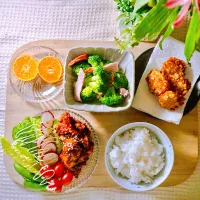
(126, 63)
(147, 102)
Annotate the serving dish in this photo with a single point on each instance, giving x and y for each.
(86, 170)
(36, 90)
(160, 177)
(126, 63)
(186, 134)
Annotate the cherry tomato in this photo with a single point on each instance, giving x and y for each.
(55, 184)
(59, 170)
(67, 178)
(47, 172)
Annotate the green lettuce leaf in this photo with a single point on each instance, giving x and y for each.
(26, 133)
(20, 155)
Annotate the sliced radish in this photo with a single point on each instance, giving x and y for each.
(45, 130)
(47, 140)
(50, 159)
(40, 140)
(49, 147)
(47, 119)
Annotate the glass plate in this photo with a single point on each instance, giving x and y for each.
(36, 90)
(86, 170)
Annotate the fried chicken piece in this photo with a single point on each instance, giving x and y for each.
(157, 82)
(174, 68)
(170, 100)
(70, 157)
(181, 86)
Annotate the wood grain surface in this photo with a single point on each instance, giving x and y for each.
(184, 136)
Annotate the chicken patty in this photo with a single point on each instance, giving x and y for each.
(170, 100)
(157, 82)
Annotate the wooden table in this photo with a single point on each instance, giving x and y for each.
(184, 136)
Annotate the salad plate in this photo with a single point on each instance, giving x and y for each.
(37, 134)
(104, 124)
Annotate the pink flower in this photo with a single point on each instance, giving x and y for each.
(183, 12)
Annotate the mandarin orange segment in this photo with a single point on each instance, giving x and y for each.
(25, 68)
(50, 69)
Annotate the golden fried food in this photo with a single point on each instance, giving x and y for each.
(174, 68)
(157, 82)
(181, 86)
(170, 100)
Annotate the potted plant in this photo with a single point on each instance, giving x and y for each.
(141, 19)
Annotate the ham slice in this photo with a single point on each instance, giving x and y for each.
(112, 67)
(124, 92)
(79, 85)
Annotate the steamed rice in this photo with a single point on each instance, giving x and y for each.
(137, 155)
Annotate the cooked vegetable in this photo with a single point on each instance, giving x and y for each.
(26, 132)
(87, 95)
(35, 186)
(96, 83)
(95, 60)
(81, 65)
(20, 155)
(120, 81)
(111, 97)
(27, 174)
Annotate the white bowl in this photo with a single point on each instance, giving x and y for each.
(126, 63)
(159, 178)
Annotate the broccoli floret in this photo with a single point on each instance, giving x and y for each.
(120, 80)
(96, 83)
(105, 62)
(95, 60)
(100, 71)
(76, 68)
(111, 97)
(87, 94)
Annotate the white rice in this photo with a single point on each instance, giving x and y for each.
(137, 155)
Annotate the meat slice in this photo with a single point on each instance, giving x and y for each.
(78, 59)
(124, 92)
(112, 67)
(79, 85)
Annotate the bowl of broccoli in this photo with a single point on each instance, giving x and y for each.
(99, 79)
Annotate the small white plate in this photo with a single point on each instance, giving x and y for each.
(126, 63)
(169, 158)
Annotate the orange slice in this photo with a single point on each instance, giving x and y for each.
(25, 68)
(50, 69)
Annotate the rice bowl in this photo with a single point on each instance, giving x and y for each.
(135, 166)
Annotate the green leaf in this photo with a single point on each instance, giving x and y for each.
(190, 42)
(170, 27)
(139, 4)
(20, 155)
(154, 22)
(26, 133)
